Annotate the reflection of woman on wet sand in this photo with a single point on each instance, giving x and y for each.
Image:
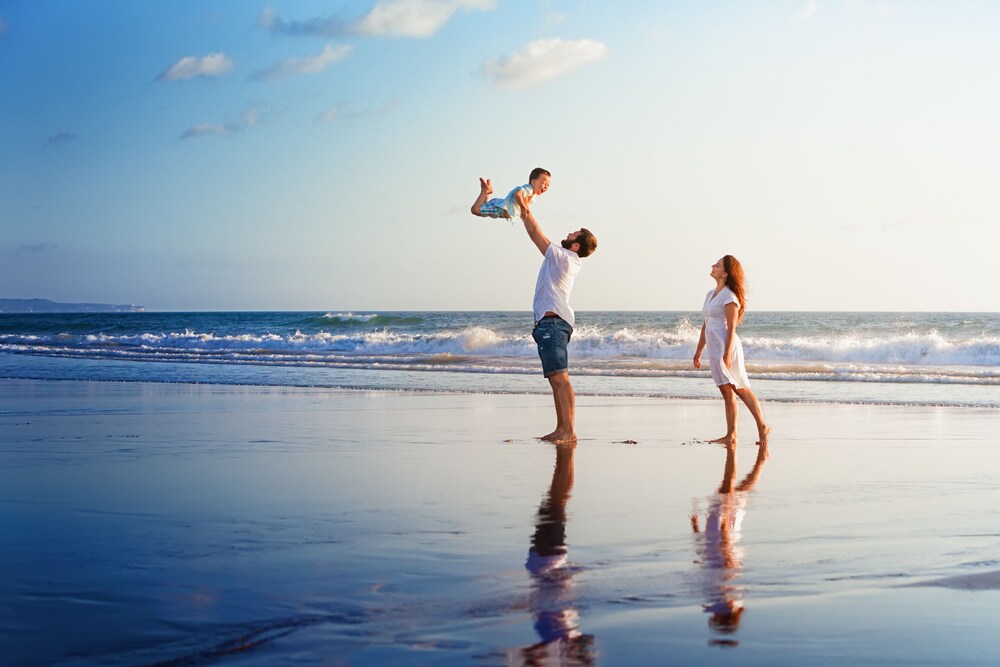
(556, 620)
(718, 548)
(723, 310)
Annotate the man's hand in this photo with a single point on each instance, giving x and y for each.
(534, 231)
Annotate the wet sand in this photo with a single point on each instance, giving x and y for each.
(187, 524)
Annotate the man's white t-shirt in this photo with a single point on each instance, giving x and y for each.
(555, 281)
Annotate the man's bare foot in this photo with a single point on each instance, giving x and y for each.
(559, 437)
(724, 440)
(763, 434)
(485, 186)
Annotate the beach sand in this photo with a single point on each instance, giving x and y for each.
(195, 524)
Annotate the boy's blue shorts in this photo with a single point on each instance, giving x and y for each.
(494, 208)
(552, 335)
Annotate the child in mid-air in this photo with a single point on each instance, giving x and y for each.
(516, 202)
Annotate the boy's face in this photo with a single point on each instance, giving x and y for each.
(541, 184)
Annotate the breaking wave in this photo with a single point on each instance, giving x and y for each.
(368, 341)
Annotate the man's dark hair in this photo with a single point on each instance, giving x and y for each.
(587, 241)
(538, 171)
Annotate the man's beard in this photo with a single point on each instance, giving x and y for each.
(566, 243)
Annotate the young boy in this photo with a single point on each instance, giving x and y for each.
(516, 202)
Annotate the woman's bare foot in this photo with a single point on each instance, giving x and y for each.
(486, 186)
(724, 440)
(763, 434)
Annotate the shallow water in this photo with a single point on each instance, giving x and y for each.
(181, 524)
(880, 358)
(803, 391)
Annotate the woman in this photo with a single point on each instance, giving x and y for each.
(723, 310)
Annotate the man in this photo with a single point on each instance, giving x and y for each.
(554, 318)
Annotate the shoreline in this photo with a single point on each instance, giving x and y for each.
(542, 391)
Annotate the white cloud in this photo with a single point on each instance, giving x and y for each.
(189, 67)
(249, 118)
(810, 10)
(342, 111)
(208, 130)
(60, 138)
(391, 18)
(415, 18)
(317, 27)
(269, 19)
(35, 248)
(550, 14)
(880, 9)
(542, 60)
(330, 114)
(307, 65)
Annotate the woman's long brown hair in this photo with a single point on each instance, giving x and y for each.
(734, 281)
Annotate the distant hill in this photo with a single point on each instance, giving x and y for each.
(46, 306)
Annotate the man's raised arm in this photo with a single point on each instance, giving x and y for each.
(534, 231)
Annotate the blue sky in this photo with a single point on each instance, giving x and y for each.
(323, 155)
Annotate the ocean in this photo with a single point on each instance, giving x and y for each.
(950, 359)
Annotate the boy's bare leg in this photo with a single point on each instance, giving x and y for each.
(565, 402)
(485, 190)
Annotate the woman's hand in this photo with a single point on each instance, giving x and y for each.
(727, 358)
(697, 360)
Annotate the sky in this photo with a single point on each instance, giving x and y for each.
(323, 155)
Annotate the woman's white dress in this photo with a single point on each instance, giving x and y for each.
(714, 311)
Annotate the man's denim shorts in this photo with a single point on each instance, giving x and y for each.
(552, 335)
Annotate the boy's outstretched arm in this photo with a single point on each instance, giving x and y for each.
(534, 231)
(521, 200)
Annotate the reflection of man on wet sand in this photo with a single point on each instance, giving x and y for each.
(556, 620)
(718, 548)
